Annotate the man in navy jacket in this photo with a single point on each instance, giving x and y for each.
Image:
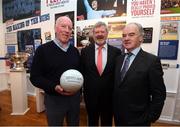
(50, 61)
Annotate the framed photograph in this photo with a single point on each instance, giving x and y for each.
(170, 6)
(20, 9)
(148, 34)
(11, 38)
(169, 30)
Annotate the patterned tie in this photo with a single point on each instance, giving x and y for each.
(99, 60)
(125, 66)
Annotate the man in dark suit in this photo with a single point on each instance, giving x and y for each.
(99, 80)
(139, 95)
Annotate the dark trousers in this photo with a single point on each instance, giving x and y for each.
(120, 122)
(99, 113)
(60, 107)
(105, 119)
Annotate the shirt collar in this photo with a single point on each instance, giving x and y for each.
(60, 45)
(135, 51)
(97, 46)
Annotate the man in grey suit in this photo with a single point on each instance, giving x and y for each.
(98, 82)
(139, 94)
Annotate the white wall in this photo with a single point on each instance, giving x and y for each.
(2, 45)
(3, 74)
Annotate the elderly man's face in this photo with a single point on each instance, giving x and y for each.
(131, 37)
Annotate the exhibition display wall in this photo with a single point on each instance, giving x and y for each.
(160, 19)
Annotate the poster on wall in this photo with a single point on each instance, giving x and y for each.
(47, 36)
(20, 9)
(71, 16)
(168, 49)
(148, 34)
(11, 49)
(95, 9)
(142, 8)
(11, 38)
(29, 49)
(37, 43)
(27, 37)
(54, 4)
(84, 35)
(115, 29)
(26, 43)
(115, 34)
(170, 6)
(169, 30)
(116, 42)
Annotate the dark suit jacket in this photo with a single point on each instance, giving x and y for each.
(98, 89)
(139, 98)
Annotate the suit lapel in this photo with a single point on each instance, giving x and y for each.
(92, 58)
(118, 68)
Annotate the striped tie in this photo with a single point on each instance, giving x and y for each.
(125, 66)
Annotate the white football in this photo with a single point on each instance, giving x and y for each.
(71, 80)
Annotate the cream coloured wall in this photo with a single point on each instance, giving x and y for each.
(2, 45)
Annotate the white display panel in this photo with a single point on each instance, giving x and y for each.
(168, 109)
(171, 79)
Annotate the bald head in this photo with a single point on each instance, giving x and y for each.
(138, 26)
(63, 19)
(63, 29)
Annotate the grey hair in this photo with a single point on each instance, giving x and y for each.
(139, 26)
(98, 24)
(59, 19)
